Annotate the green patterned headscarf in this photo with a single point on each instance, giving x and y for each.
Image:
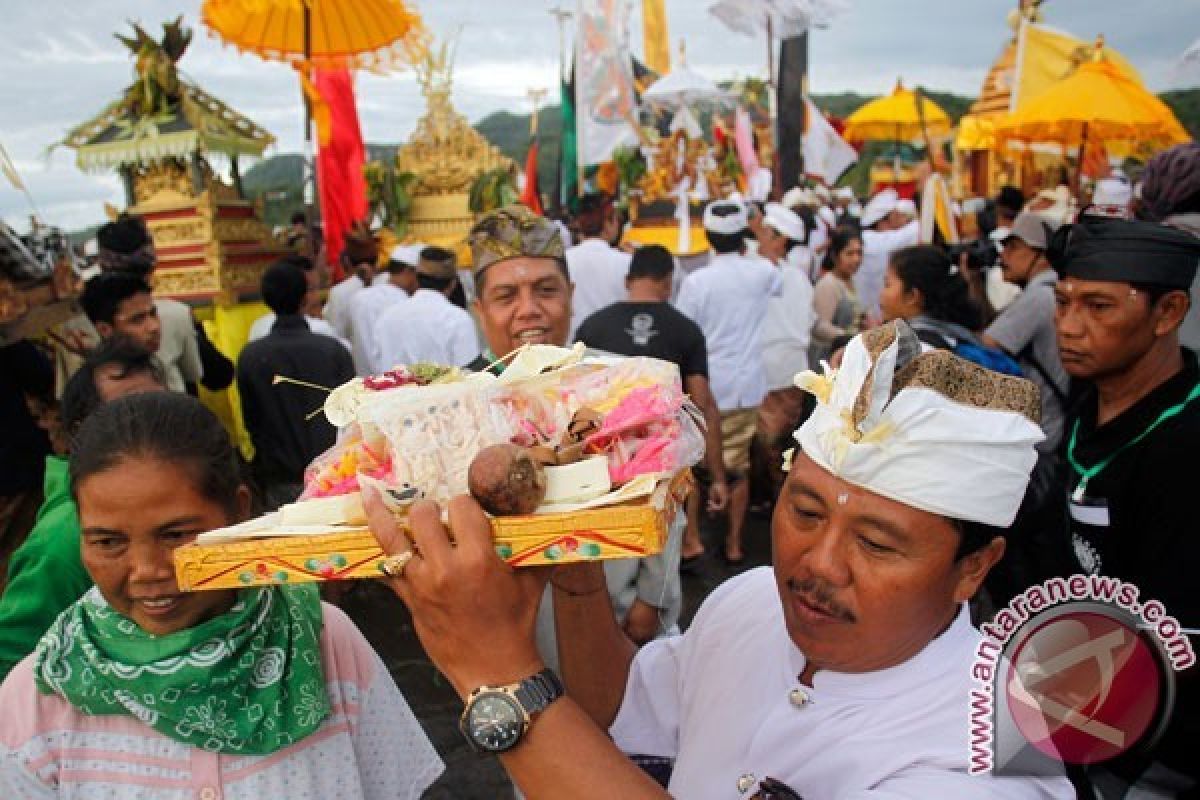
(248, 682)
(512, 232)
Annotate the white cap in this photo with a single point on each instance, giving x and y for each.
(726, 217)
(828, 216)
(406, 254)
(951, 438)
(880, 206)
(907, 207)
(844, 193)
(793, 197)
(785, 221)
(1112, 192)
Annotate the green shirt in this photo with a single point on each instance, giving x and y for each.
(45, 574)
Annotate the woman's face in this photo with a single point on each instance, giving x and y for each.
(133, 515)
(849, 260)
(897, 301)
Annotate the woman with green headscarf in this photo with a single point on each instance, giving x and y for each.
(140, 690)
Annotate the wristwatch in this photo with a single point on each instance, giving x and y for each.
(496, 717)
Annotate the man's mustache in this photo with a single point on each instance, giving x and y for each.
(820, 595)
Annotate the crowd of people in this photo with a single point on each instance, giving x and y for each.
(934, 433)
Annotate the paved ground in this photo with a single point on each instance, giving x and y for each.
(387, 625)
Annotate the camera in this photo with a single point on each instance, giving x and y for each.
(981, 253)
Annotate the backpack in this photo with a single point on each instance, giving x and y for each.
(963, 344)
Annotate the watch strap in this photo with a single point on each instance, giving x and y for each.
(538, 691)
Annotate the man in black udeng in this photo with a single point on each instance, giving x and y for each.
(1131, 447)
(647, 325)
(278, 416)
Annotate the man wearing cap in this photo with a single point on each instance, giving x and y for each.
(843, 671)
(728, 300)
(367, 306)
(524, 297)
(1131, 444)
(359, 256)
(786, 333)
(428, 327)
(884, 231)
(1025, 329)
(597, 268)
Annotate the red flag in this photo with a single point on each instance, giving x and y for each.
(343, 188)
(531, 196)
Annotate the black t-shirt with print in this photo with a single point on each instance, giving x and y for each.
(656, 330)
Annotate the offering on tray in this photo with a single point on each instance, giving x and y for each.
(574, 458)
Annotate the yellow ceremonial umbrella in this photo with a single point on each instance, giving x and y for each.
(326, 34)
(1099, 102)
(903, 116)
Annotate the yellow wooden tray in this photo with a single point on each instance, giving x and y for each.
(630, 530)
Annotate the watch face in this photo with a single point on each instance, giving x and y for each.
(495, 722)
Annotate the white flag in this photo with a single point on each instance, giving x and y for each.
(826, 154)
(604, 98)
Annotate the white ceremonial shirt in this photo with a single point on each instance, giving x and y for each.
(337, 305)
(426, 328)
(878, 247)
(787, 329)
(598, 272)
(262, 326)
(366, 307)
(728, 300)
(724, 701)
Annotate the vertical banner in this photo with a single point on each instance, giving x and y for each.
(656, 41)
(793, 77)
(826, 154)
(568, 163)
(604, 99)
(340, 160)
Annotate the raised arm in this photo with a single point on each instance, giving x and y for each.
(475, 617)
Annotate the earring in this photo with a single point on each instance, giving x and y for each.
(843, 498)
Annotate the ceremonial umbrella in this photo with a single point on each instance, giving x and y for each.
(1099, 102)
(681, 87)
(325, 34)
(903, 116)
(780, 18)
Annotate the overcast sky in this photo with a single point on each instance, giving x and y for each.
(60, 65)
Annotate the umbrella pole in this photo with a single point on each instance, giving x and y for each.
(1082, 156)
(310, 174)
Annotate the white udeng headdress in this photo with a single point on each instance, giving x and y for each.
(932, 430)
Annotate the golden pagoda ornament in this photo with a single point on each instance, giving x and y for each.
(211, 244)
(446, 155)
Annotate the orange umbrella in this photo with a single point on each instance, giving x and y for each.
(1099, 102)
(902, 116)
(325, 34)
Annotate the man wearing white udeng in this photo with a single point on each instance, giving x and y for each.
(842, 672)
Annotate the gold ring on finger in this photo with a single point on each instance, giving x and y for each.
(393, 566)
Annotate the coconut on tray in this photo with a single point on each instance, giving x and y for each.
(574, 457)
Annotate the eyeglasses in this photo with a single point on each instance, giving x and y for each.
(771, 789)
